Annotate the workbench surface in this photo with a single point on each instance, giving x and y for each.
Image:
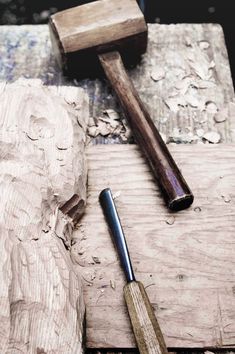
(184, 79)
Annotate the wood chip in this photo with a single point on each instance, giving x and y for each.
(212, 137)
(112, 284)
(200, 132)
(211, 107)
(197, 209)
(204, 45)
(158, 74)
(222, 115)
(93, 131)
(226, 198)
(175, 103)
(170, 220)
(112, 114)
(103, 128)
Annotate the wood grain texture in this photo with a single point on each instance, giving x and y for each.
(42, 139)
(147, 332)
(175, 190)
(185, 260)
(170, 47)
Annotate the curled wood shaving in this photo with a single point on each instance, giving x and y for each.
(222, 115)
(112, 114)
(226, 198)
(204, 45)
(211, 107)
(158, 74)
(212, 137)
(112, 284)
(170, 220)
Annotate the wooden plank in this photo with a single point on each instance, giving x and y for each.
(42, 166)
(188, 60)
(185, 259)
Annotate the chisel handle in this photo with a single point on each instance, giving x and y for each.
(147, 332)
(113, 221)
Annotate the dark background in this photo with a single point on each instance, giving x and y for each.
(161, 11)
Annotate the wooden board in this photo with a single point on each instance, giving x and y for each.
(192, 57)
(42, 141)
(185, 260)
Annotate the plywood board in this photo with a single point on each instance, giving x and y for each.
(185, 259)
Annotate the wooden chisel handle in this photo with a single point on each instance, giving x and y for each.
(147, 332)
(175, 190)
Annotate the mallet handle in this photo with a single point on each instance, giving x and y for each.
(177, 194)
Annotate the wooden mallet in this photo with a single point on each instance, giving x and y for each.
(105, 34)
(147, 332)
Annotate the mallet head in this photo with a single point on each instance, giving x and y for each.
(80, 33)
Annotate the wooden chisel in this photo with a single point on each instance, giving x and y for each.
(146, 329)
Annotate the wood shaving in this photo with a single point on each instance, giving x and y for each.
(199, 63)
(197, 209)
(112, 114)
(93, 131)
(200, 133)
(112, 284)
(175, 103)
(222, 115)
(194, 102)
(226, 198)
(212, 137)
(211, 107)
(204, 45)
(170, 220)
(103, 128)
(158, 74)
(183, 85)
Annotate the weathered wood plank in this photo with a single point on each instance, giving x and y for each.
(188, 64)
(42, 166)
(185, 259)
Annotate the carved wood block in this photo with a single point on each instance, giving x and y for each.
(42, 138)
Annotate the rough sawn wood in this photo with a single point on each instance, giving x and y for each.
(42, 134)
(185, 260)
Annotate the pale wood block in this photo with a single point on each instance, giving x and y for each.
(42, 139)
(185, 260)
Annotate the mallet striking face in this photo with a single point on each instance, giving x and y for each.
(109, 34)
